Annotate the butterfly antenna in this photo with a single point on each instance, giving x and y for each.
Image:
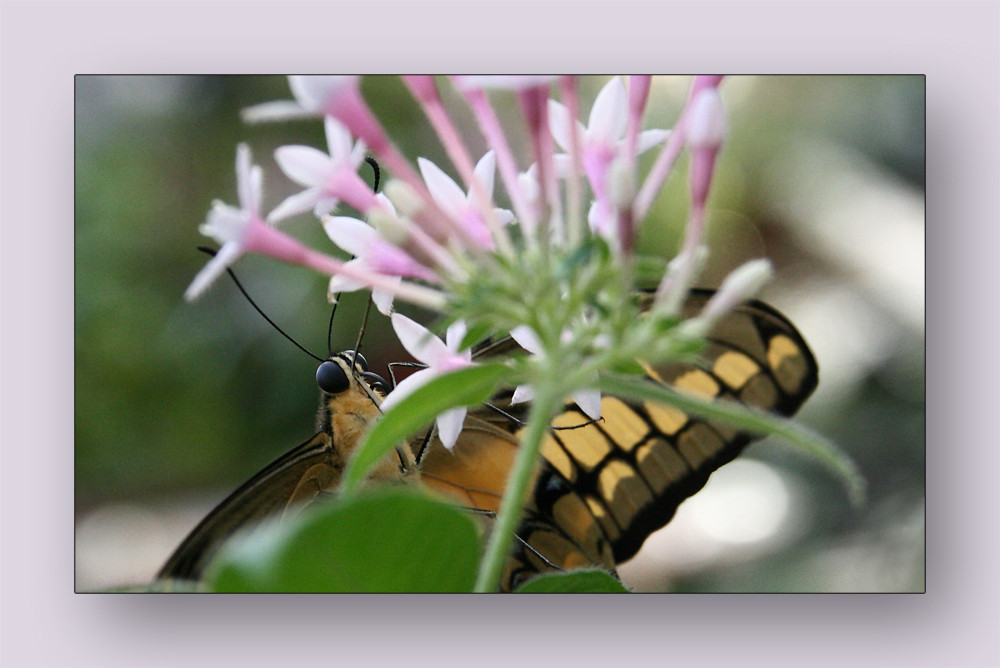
(246, 295)
(492, 515)
(361, 332)
(521, 423)
(405, 365)
(378, 174)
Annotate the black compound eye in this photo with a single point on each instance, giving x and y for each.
(331, 378)
(360, 360)
(376, 382)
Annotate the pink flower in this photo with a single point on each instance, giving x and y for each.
(706, 132)
(373, 253)
(440, 358)
(327, 178)
(601, 142)
(314, 96)
(237, 230)
(461, 206)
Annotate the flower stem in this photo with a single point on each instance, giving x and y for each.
(518, 484)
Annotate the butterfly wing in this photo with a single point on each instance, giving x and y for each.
(603, 487)
(293, 479)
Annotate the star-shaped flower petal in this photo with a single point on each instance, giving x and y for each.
(602, 139)
(462, 206)
(441, 357)
(328, 178)
(312, 98)
(230, 226)
(372, 252)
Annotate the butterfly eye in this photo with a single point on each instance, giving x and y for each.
(376, 382)
(357, 358)
(331, 378)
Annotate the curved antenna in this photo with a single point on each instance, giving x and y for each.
(246, 295)
(378, 173)
(361, 331)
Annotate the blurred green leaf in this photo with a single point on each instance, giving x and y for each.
(577, 582)
(461, 388)
(390, 541)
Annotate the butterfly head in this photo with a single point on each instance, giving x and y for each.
(350, 396)
(348, 370)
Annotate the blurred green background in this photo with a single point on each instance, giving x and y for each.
(177, 403)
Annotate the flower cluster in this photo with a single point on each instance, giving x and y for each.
(547, 256)
(553, 265)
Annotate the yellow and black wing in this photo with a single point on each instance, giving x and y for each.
(605, 486)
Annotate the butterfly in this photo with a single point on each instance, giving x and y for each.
(601, 487)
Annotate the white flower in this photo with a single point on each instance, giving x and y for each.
(601, 143)
(440, 358)
(602, 139)
(328, 178)
(461, 206)
(588, 400)
(372, 252)
(231, 226)
(312, 98)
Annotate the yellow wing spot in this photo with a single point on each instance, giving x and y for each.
(586, 446)
(570, 513)
(622, 423)
(734, 368)
(556, 456)
(625, 490)
(660, 464)
(667, 419)
(697, 381)
(787, 363)
(601, 514)
(698, 444)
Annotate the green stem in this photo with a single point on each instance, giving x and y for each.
(502, 538)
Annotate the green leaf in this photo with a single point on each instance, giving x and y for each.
(464, 387)
(747, 419)
(575, 582)
(388, 541)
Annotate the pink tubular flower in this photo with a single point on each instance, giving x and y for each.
(314, 96)
(328, 178)
(228, 225)
(242, 230)
(460, 206)
(373, 253)
(440, 358)
(706, 132)
(601, 142)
